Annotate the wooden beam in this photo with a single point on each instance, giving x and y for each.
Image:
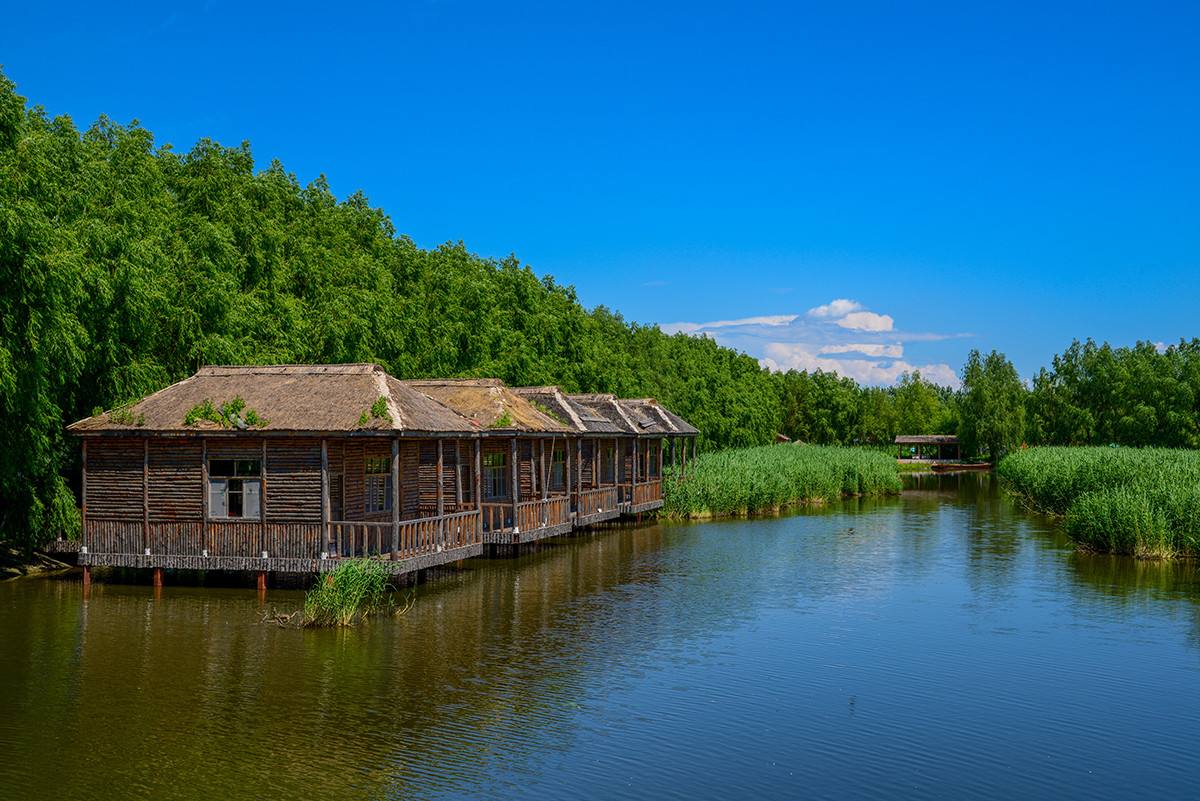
(441, 492)
(596, 462)
(542, 467)
(83, 537)
(516, 482)
(395, 496)
(262, 502)
(204, 492)
(458, 489)
(567, 464)
(478, 493)
(579, 464)
(325, 495)
(145, 492)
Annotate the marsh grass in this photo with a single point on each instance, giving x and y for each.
(767, 479)
(1143, 502)
(347, 594)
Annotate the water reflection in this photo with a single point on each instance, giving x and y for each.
(941, 642)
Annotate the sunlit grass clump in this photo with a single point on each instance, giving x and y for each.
(347, 594)
(760, 480)
(1139, 501)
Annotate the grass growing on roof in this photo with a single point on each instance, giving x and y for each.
(756, 480)
(1143, 502)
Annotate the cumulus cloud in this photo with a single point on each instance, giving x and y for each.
(867, 321)
(835, 308)
(841, 336)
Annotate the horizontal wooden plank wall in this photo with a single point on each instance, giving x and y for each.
(175, 482)
(293, 476)
(114, 486)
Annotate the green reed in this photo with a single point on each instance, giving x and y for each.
(1139, 501)
(765, 479)
(347, 594)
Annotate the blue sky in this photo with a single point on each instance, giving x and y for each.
(953, 176)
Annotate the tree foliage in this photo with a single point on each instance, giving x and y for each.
(992, 405)
(125, 267)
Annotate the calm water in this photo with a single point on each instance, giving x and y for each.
(940, 645)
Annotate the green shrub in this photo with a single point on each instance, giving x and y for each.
(347, 594)
(755, 480)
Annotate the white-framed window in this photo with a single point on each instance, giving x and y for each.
(377, 484)
(235, 488)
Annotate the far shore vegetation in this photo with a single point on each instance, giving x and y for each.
(127, 264)
(1143, 502)
(767, 479)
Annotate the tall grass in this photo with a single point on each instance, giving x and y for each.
(1139, 501)
(347, 594)
(756, 480)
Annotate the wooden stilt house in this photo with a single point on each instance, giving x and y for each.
(526, 476)
(293, 468)
(593, 447)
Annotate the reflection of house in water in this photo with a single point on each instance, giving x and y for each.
(292, 468)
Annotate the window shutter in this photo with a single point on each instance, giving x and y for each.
(252, 499)
(218, 505)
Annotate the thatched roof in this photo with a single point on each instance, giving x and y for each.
(637, 416)
(926, 439)
(333, 398)
(582, 417)
(489, 404)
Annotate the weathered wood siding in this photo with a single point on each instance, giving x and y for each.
(293, 476)
(114, 479)
(176, 481)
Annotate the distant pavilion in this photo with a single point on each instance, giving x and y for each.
(918, 447)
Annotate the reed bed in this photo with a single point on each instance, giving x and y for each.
(1143, 502)
(748, 481)
(347, 594)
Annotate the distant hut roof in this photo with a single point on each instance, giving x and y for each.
(583, 417)
(637, 415)
(323, 397)
(926, 439)
(488, 403)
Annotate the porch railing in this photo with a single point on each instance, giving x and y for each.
(594, 501)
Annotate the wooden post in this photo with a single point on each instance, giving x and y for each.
(516, 483)
(596, 462)
(158, 577)
(87, 575)
(683, 460)
(441, 496)
(83, 532)
(262, 502)
(543, 476)
(579, 464)
(567, 464)
(208, 546)
(325, 495)
(478, 494)
(659, 453)
(458, 488)
(146, 492)
(395, 496)
(262, 582)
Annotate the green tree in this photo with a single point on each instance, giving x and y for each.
(991, 405)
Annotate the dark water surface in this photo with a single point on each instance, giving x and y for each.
(939, 645)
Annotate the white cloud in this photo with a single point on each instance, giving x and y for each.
(835, 308)
(798, 356)
(867, 321)
(866, 348)
(840, 336)
(690, 328)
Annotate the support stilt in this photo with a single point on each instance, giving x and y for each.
(87, 577)
(262, 581)
(158, 577)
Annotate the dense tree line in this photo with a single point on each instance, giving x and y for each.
(125, 267)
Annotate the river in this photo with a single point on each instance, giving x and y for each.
(942, 644)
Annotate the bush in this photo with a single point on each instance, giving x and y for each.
(347, 594)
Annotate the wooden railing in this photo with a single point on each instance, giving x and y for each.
(594, 501)
(648, 492)
(416, 537)
(113, 536)
(532, 515)
(497, 516)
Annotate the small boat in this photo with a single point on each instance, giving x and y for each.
(960, 467)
